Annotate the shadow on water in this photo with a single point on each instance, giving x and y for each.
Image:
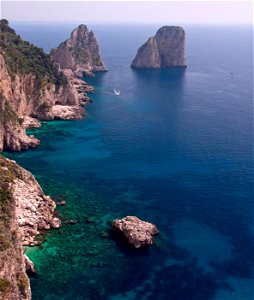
(124, 247)
(96, 80)
(169, 76)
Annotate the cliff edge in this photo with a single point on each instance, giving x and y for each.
(24, 211)
(165, 49)
(32, 85)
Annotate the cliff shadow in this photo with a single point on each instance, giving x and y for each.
(164, 77)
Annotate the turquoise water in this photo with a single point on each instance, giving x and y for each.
(175, 148)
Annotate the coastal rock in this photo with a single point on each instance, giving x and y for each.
(165, 49)
(137, 232)
(80, 53)
(61, 203)
(30, 269)
(25, 94)
(28, 122)
(64, 112)
(14, 282)
(35, 210)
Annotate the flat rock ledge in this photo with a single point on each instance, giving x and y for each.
(67, 112)
(137, 232)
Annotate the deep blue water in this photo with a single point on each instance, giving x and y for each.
(175, 148)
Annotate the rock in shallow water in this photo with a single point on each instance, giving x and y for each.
(137, 232)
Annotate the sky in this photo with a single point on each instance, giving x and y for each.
(168, 12)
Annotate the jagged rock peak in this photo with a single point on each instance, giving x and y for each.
(80, 53)
(165, 49)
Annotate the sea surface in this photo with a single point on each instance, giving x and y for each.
(175, 148)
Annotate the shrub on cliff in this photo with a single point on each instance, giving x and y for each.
(22, 57)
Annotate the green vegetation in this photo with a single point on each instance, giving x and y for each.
(22, 282)
(22, 57)
(8, 173)
(8, 114)
(81, 55)
(5, 286)
(45, 106)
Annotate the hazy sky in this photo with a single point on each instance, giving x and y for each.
(168, 12)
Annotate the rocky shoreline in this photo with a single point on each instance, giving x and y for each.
(27, 94)
(25, 99)
(25, 213)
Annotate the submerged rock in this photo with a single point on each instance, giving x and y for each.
(137, 232)
(165, 49)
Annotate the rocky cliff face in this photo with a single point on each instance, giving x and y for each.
(24, 211)
(165, 49)
(80, 53)
(32, 85)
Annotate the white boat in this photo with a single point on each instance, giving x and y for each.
(116, 92)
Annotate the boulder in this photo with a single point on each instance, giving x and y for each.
(137, 232)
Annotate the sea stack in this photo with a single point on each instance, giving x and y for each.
(80, 53)
(165, 49)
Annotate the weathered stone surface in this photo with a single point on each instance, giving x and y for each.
(29, 122)
(165, 49)
(21, 99)
(24, 211)
(137, 232)
(80, 53)
(30, 269)
(65, 112)
(35, 210)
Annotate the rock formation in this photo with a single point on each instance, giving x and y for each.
(165, 49)
(32, 88)
(138, 233)
(30, 269)
(31, 85)
(80, 53)
(24, 211)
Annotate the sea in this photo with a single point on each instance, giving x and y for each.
(175, 148)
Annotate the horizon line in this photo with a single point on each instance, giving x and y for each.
(121, 22)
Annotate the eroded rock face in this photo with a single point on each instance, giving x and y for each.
(30, 269)
(80, 53)
(35, 210)
(165, 49)
(137, 232)
(65, 112)
(22, 97)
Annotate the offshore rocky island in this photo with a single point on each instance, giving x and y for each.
(165, 49)
(35, 86)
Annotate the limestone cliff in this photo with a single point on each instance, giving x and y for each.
(80, 53)
(31, 85)
(165, 49)
(24, 211)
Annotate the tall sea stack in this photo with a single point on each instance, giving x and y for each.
(80, 53)
(165, 49)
